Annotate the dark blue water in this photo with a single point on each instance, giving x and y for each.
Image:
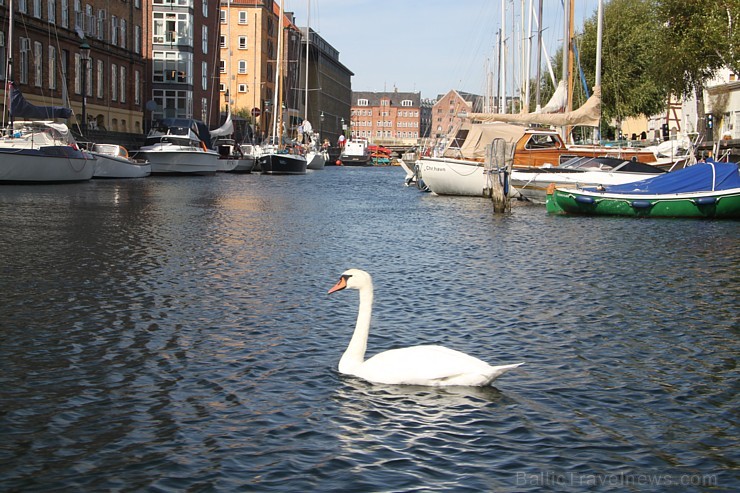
(174, 334)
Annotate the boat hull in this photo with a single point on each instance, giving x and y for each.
(189, 161)
(719, 204)
(315, 160)
(119, 167)
(454, 177)
(52, 164)
(282, 164)
(533, 184)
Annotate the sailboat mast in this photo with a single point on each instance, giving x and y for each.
(9, 75)
(597, 82)
(539, 57)
(277, 101)
(308, 41)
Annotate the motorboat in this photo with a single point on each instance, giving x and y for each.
(113, 161)
(532, 182)
(179, 146)
(356, 152)
(704, 190)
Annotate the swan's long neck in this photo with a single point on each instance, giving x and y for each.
(355, 353)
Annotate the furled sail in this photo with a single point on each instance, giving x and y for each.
(558, 100)
(588, 115)
(226, 129)
(20, 108)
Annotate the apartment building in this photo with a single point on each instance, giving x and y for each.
(444, 117)
(61, 47)
(391, 118)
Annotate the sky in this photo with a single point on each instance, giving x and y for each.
(429, 46)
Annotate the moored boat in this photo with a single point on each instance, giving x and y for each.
(179, 146)
(113, 161)
(704, 190)
(532, 182)
(355, 153)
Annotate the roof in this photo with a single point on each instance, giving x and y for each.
(374, 98)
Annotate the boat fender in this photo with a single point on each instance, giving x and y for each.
(550, 189)
(203, 146)
(705, 200)
(584, 199)
(641, 204)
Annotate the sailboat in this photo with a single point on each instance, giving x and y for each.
(274, 158)
(38, 150)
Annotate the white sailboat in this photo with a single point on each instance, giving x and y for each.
(37, 150)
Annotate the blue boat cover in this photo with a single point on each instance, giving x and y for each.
(21, 108)
(701, 177)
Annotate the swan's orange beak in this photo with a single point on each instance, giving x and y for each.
(339, 286)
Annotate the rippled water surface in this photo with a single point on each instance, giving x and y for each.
(174, 334)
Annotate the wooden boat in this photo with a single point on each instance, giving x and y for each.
(704, 190)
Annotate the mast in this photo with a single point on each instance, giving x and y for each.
(277, 101)
(502, 108)
(597, 83)
(538, 105)
(308, 41)
(9, 75)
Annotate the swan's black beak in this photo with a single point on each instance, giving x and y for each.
(340, 285)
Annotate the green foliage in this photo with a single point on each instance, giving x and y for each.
(697, 38)
(654, 48)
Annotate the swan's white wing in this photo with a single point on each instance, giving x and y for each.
(426, 365)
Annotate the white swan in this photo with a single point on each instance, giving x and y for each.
(435, 366)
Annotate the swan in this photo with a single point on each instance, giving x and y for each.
(434, 366)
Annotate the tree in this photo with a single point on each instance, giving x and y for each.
(697, 38)
(629, 53)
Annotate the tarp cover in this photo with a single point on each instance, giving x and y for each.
(701, 177)
(481, 135)
(21, 108)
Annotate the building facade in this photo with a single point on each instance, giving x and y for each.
(390, 118)
(182, 46)
(446, 110)
(51, 65)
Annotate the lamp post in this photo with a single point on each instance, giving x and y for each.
(321, 125)
(84, 59)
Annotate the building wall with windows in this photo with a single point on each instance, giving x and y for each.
(445, 113)
(48, 67)
(387, 117)
(182, 42)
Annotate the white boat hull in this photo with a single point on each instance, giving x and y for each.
(532, 185)
(315, 160)
(53, 164)
(185, 160)
(119, 167)
(454, 176)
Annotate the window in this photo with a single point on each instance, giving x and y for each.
(222, 66)
(78, 19)
(22, 6)
(123, 33)
(51, 11)
(242, 67)
(137, 39)
(204, 5)
(243, 17)
(222, 87)
(204, 109)
(242, 42)
(65, 13)
(137, 87)
(204, 75)
(89, 20)
(242, 88)
(122, 76)
(78, 74)
(37, 9)
(407, 102)
(204, 42)
(223, 16)
(38, 62)
(100, 73)
(52, 67)
(2, 55)
(25, 55)
(114, 30)
(172, 66)
(362, 102)
(172, 28)
(222, 41)
(101, 24)
(172, 103)
(114, 82)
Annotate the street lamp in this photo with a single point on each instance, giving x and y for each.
(84, 58)
(321, 125)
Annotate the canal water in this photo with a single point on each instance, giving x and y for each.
(174, 334)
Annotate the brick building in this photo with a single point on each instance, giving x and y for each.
(386, 117)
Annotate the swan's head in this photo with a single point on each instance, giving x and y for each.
(352, 279)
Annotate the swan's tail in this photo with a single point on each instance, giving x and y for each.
(497, 371)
